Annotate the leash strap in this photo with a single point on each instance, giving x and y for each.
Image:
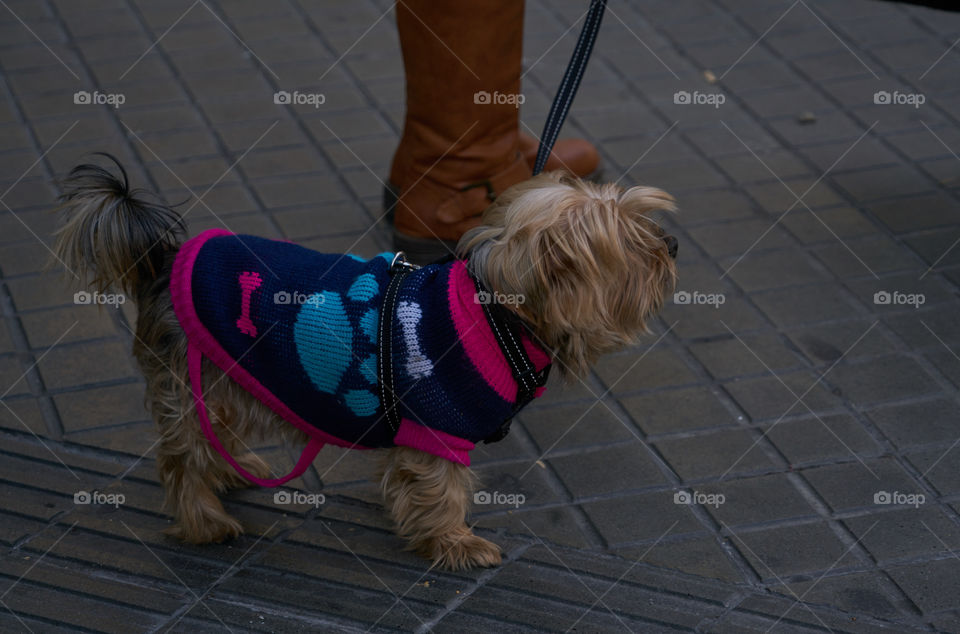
(506, 330)
(399, 269)
(571, 81)
(195, 365)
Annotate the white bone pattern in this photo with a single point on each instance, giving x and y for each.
(418, 365)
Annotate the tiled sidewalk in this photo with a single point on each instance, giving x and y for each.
(779, 454)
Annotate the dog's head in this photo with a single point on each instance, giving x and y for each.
(586, 259)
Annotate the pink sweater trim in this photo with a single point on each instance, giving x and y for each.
(433, 441)
(478, 340)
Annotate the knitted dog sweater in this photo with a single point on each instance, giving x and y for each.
(298, 330)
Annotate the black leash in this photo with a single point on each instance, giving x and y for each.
(571, 81)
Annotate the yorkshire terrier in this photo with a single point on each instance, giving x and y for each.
(242, 338)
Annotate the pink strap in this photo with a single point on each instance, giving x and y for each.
(195, 365)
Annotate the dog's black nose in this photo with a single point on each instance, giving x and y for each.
(672, 245)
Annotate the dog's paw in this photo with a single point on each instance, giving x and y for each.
(208, 532)
(463, 553)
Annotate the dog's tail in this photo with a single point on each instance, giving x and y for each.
(113, 236)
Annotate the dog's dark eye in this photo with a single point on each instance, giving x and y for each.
(672, 246)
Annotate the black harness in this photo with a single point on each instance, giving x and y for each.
(507, 328)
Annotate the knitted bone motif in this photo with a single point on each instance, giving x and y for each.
(249, 282)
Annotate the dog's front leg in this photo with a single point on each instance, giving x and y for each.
(428, 498)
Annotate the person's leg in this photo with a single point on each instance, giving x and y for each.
(459, 147)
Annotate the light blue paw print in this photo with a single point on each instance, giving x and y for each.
(369, 323)
(362, 402)
(324, 338)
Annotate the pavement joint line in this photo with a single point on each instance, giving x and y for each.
(957, 441)
(120, 125)
(232, 569)
(903, 463)
(159, 39)
(398, 599)
(192, 101)
(770, 570)
(39, 39)
(530, 67)
(620, 578)
(16, 616)
(37, 561)
(926, 365)
(639, 39)
(799, 399)
(820, 578)
(238, 38)
(319, 147)
(955, 242)
(647, 151)
(758, 40)
(33, 371)
(176, 576)
(39, 159)
(586, 526)
(799, 199)
(838, 38)
(599, 399)
(736, 557)
(357, 41)
(577, 577)
(886, 144)
(199, 199)
(841, 107)
(482, 579)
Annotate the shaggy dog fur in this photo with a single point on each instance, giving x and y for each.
(588, 259)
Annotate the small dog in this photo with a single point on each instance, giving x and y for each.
(586, 267)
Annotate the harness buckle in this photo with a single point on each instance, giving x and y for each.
(400, 262)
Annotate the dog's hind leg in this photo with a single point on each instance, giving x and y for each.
(428, 498)
(191, 471)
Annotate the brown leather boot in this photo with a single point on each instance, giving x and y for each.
(461, 146)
